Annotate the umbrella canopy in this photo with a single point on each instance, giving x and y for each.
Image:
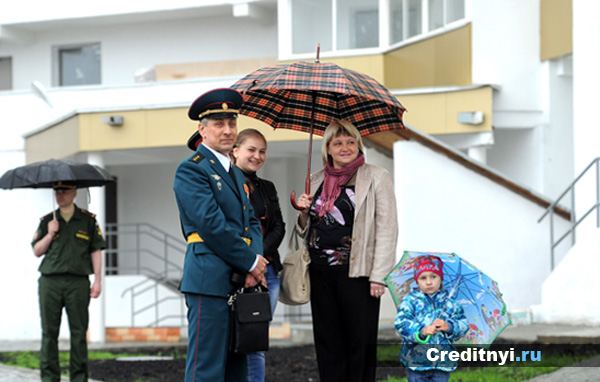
(307, 96)
(45, 174)
(476, 292)
(304, 94)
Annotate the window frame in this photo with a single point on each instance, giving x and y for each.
(385, 43)
(9, 79)
(57, 63)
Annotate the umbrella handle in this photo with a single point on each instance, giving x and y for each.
(293, 201)
(306, 191)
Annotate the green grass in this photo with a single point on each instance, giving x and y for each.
(506, 373)
(31, 360)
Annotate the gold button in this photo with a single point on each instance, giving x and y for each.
(246, 229)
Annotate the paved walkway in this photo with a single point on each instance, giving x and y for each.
(588, 372)
(19, 374)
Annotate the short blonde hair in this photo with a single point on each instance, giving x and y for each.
(336, 128)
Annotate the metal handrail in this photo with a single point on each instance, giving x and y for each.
(143, 233)
(574, 221)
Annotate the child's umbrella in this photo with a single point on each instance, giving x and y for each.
(477, 293)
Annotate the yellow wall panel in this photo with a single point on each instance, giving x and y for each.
(441, 60)
(556, 28)
(469, 100)
(168, 127)
(271, 134)
(437, 113)
(96, 135)
(55, 142)
(425, 112)
(371, 65)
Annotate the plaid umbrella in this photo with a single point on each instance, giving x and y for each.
(307, 96)
(304, 94)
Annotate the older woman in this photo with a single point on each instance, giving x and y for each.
(350, 228)
(250, 154)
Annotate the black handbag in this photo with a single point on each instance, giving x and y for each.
(249, 317)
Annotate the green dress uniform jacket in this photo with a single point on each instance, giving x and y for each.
(69, 252)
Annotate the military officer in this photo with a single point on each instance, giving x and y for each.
(70, 242)
(222, 234)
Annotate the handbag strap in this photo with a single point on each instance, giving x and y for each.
(257, 288)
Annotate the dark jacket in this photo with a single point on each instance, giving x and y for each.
(272, 222)
(214, 207)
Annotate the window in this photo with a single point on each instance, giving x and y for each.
(311, 24)
(405, 19)
(415, 11)
(354, 25)
(5, 73)
(442, 12)
(357, 24)
(455, 10)
(79, 65)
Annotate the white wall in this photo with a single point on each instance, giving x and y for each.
(559, 168)
(586, 79)
(119, 308)
(447, 208)
(505, 51)
(125, 48)
(518, 153)
(33, 10)
(21, 210)
(145, 195)
(567, 294)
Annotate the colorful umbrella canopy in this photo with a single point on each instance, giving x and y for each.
(477, 293)
(45, 174)
(304, 94)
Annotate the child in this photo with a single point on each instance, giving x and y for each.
(427, 318)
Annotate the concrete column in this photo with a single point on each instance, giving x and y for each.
(98, 306)
(586, 82)
(479, 153)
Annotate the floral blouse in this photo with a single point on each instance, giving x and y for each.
(330, 236)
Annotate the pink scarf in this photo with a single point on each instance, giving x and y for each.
(334, 179)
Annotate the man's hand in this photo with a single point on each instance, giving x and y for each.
(250, 281)
(260, 269)
(440, 325)
(53, 227)
(95, 289)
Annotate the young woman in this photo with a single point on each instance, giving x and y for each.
(249, 155)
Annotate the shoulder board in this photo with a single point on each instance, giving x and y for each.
(197, 157)
(88, 213)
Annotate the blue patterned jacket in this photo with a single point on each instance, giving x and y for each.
(418, 310)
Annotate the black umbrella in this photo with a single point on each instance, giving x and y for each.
(45, 174)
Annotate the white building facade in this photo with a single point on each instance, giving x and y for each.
(491, 90)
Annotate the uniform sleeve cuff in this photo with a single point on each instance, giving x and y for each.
(254, 265)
